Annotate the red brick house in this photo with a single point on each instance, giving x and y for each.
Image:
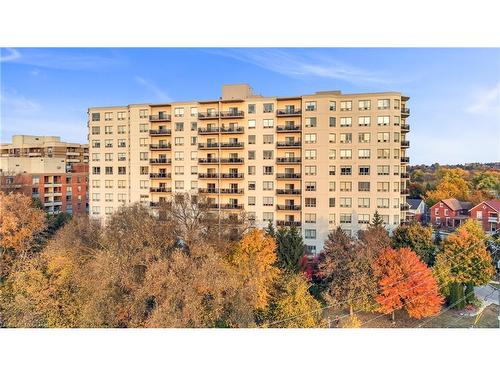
(488, 214)
(449, 213)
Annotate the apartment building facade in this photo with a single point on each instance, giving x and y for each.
(34, 146)
(312, 161)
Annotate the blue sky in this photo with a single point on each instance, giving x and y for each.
(455, 93)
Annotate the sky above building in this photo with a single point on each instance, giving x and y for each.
(454, 93)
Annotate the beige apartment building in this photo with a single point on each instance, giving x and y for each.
(33, 146)
(312, 161)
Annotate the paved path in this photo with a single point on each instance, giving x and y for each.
(487, 294)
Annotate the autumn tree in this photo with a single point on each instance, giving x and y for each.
(416, 237)
(406, 282)
(254, 258)
(290, 249)
(464, 259)
(377, 221)
(20, 223)
(452, 184)
(291, 305)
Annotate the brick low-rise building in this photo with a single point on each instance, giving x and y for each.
(449, 213)
(488, 214)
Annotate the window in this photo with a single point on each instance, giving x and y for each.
(178, 112)
(396, 103)
(363, 219)
(179, 141)
(331, 186)
(194, 126)
(396, 120)
(382, 202)
(251, 124)
(346, 105)
(267, 185)
(310, 218)
(310, 202)
(108, 156)
(345, 137)
(345, 218)
(121, 142)
(310, 138)
(332, 154)
(142, 142)
(96, 130)
(383, 153)
(364, 170)
(446, 212)
(346, 170)
(364, 153)
(382, 120)
(310, 170)
(194, 113)
(382, 170)
(382, 187)
(120, 129)
(345, 202)
(345, 122)
(96, 157)
(310, 106)
(251, 169)
(345, 154)
(194, 141)
(363, 202)
(251, 139)
(251, 155)
(311, 122)
(268, 216)
(268, 139)
(310, 233)
(179, 170)
(268, 201)
(268, 107)
(179, 155)
(108, 197)
(269, 123)
(396, 137)
(96, 117)
(364, 105)
(121, 184)
(96, 143)
(251, 201)
(143, 128)
(96, 197)
(332, 122)
(310, 185)
(332, 106)
(251, 108)
(310, 154)
(179, 126)
(331, 218)
(383, 137)
(143, 184)
(194, 170)
(122, 170)
(383, 103)
(109, 170)
(364, 120)
(267, 170)
(95, 184)
(122, 156)
(251, 185)
(345, 186)
(332, 138)
(179, 185)
(108, 184)
(364, 137)
(108, 130)
(194, 155)
(331, 170)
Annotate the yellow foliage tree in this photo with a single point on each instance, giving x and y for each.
(254, 257)
(352, 322)
(451, 185)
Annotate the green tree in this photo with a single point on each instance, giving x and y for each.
(416, 237)
(377, 220)
(290, 249)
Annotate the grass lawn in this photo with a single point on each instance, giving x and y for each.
(450, 318)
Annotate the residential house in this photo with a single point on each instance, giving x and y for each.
(488, 214)
(450, 213)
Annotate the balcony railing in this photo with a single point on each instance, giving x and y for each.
(160, 189)
(208, 145)
(404, 207)
(405, 111)
(289, 160)
(232, 160)
(208, 190)
(288, 128)
(288, 207)
(285, 223)
(405, 159)
(208, 115)
(405, 175)
(288, 112)
(231, 206)
(288, 144)
(160, 161)
(159, 132)
(231, 191)
(288, 176)
(208, 175)
(288, 191)
(232, 145)
(208, 161)
(160, 175)
(164, 117)
(405, 143)
(232, 130)
(232, 114)
(232, 175)
(211, 130)
(493, 219)
(405, 127)
(166, 146)
(405, 191)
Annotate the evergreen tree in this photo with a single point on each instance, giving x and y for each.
(416, 237)
(290, 249)
(438, 238)
(270, 229)
(377, 221)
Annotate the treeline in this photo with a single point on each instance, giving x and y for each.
(186, 268)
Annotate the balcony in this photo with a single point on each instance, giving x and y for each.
(289, 160)
(405, 144)
(232, 145)
(154, 204)
(160, 161)
(405, 191)
(288, 191)
(288, 144)
(208, 191)
(405, 175)
(405, 111)
(405, 159)
(163, 117)
(232, 160)
(288, 112)
(231, 206)
(288, 207)
(288, 128)
(232, 114)
(160, 175)
(160, 189)
(161, 147)
(231, 191)
(232, 175)
(160, 132)
(210, 130)
(232, 130)
(288, 176)
(208, 161)
(204, 146)
(208, 175)
(404, 207)
(284, 223)
(213, 206)
(208, 115)
(493, 219)
(405, 127)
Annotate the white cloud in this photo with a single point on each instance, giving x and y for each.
(12, 54)
(487, 101)
(159, 93)
(12, 101)
(45, 58)
(309, 63)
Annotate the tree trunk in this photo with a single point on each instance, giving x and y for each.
(351, 311)
(393, 319)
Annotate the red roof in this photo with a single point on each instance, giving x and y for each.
(494, 203)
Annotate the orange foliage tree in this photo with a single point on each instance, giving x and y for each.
(406, 282)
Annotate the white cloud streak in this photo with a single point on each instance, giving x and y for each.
(159, 93)
(487, 101)
(308, 63)
(11, 101)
